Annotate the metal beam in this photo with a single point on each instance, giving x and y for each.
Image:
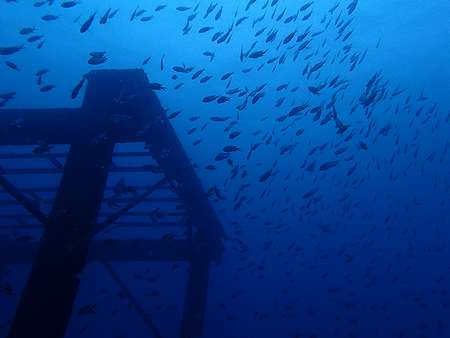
(112, 216)
(168, 151)
(58, 165)
(119, 118)
(140, 250)
(23, 156)
(47, 301)
(196, 293)
(36, 226)
(31, 126)
(23, 200)
(115, 216)
(146, 318)
(108, 188)
(51, 170)
(105, 200)
(118, 107)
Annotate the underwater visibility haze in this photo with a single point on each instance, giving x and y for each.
(302, 193)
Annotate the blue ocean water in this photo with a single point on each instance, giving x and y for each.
(318, 129)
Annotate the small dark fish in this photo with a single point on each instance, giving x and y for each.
(306, 6)
(223, 99)
(205, 29)
(7, 96)
(205, 79)
(39, 46)
(49, 17)
(210, 55)
(264, 177)
(174, 114)
(46, 88)
(197, 74)
(12, 65)
(146, 61)
(105, 17)
(183, 8)
(210, 98)
(36, 4)
(226, 76)
(257, 54)
(230, 149)
(34, 38)
(300, 132)
(69, 4)
(147, 18)
(10, 50)
(160, 8)
(352, 6)
(328, 165)
(97, 58)
(234, 134)
(41, 72)
(222, 156)
(27, 30)
(87, 24)
(219, 118)
(351, 170)
(78, 87)
(184, 69)
(113, 13)
(157, 86)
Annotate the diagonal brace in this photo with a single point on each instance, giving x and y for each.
(23, 200)
(113, 218)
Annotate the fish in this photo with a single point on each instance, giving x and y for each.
(69, 4)
(77, 88)
(11, 50)
(47, 88)
(49, 17)
(328, 165)
(87, 24)
(27, 30)
(12, 65)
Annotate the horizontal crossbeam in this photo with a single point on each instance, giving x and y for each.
(108, 188)
(14, 252)
(161, 214)
(50, 171)
(106, 200)
(14, 156)
(36, 226)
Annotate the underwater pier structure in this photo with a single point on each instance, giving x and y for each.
(119, 107)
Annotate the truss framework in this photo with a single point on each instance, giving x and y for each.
(118, 107)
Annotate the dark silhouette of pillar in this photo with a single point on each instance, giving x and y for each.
(119, 107)
(46, 304)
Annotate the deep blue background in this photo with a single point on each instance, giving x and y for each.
(369, 257)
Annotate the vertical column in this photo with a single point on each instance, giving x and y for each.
(112, 111)
(208, 238)
(196, 293)
(46, 304)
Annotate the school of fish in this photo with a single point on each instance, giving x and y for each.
(298, 142)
